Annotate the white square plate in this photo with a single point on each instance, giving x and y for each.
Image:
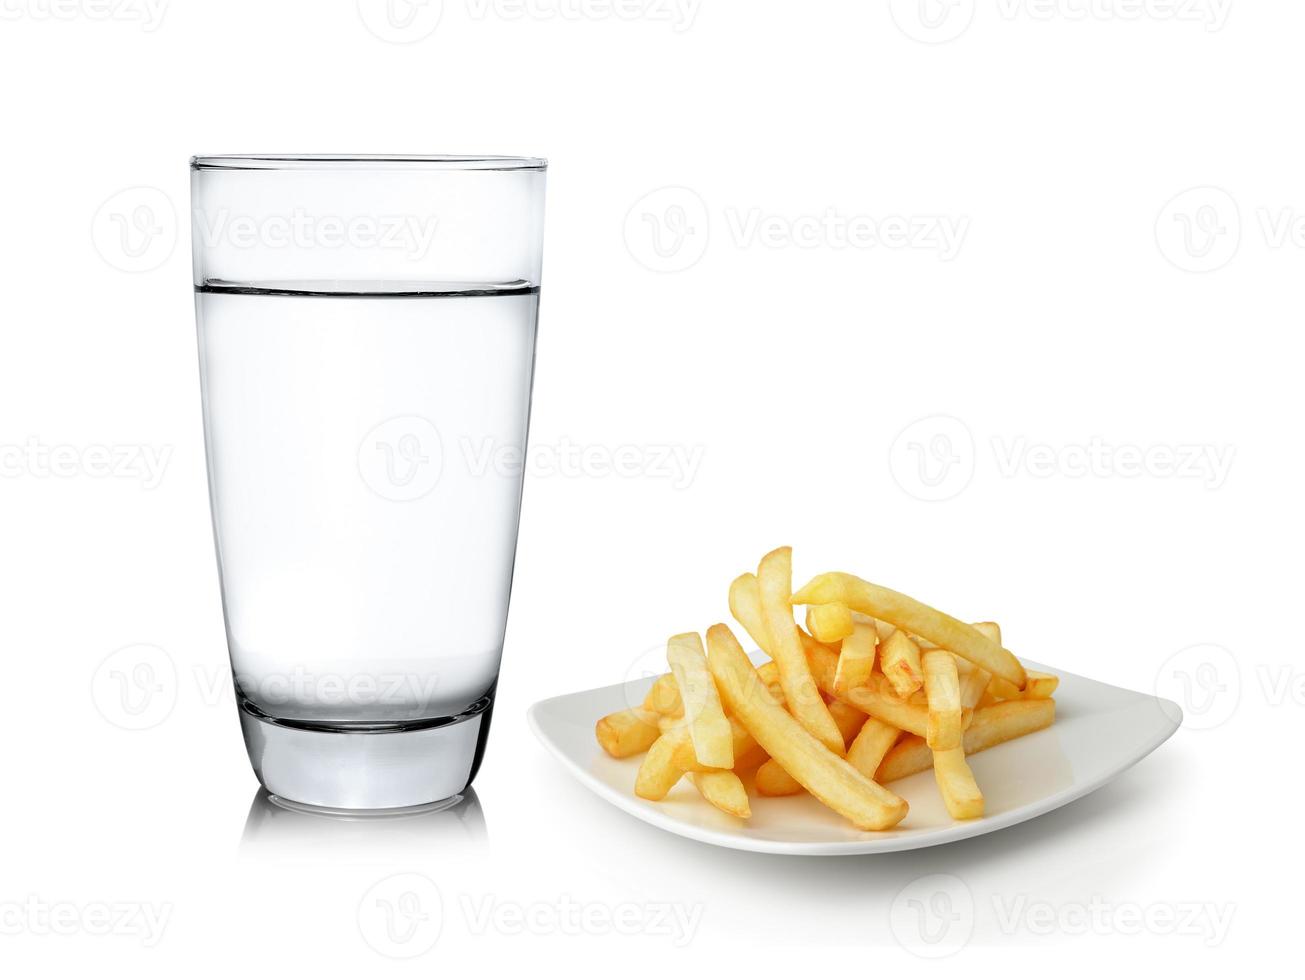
(1099, 732)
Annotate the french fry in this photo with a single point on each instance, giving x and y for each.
(856, 658)
(686, 759)
(1040, 685)
(713, 743)
(976, 679)
(877, 699)
(827, 776)
(848, 718)
(772, 780)
(658, 771)
(801, 696)
(723, 790)
(991, 726)
(626, 733)
(871, 744)
(664, 697)
(960, 793)
(901, 664)
(909, 614)
(943, 690)
(830, 622)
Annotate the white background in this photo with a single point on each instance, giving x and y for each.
(1075, 316)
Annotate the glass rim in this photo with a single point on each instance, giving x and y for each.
(364, 161)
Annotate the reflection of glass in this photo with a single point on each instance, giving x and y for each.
(285, 827)
(366, 338)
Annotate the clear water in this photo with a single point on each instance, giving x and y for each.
(363, 448)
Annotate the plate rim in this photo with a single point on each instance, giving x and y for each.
(961, 830)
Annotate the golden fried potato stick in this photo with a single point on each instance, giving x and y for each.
(856, 658)
(626, 733)
(830, 622)
(909, 614)
(763, 608)
(658, 771)
(991, 726)
(848, 718)
(1039, 686)
(708, 728)
(961, 794)
(724, 791)
(943, 690)
(901, 664)
(686, 758)
(871, 744)
(976, 679)
(772, 780)
(828, 777)
(664, 697)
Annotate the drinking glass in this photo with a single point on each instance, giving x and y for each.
(366, 348)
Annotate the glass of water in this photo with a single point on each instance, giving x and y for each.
(366, 348)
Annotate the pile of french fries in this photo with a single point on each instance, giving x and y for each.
(877, 687)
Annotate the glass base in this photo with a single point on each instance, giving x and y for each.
(366, 770)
